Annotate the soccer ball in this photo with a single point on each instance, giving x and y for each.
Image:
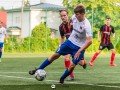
(40, 75)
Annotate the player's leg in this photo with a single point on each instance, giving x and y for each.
(67, 72)
(0, 54)
(1, 46)
(83, 63)
(62, 50)
(45, 63)
(67, 64)
(112, 58)
(101, 47)
(72, 66)
(91, 63)
(111, 47)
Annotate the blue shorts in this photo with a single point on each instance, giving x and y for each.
(69, 48)
(1, 45)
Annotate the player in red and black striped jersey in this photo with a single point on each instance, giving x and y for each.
(65, 30)
(105, 41)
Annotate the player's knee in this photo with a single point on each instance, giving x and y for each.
(113, 51)
(67, 57)
(54, 57)
(72, 66)
(81, 62)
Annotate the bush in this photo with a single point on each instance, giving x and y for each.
(38, 42)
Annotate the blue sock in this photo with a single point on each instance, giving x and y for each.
(0, 54)
(44, 64)
(66, 73)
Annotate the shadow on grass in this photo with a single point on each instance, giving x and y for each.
(58, 87)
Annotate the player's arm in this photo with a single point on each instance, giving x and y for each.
(99, 38)
(62, 39)
(62, 36)
(88, 41)
(113, 31)
(113, 35)
(6, 36)
(87, 44)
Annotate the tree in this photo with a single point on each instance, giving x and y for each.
(2, 8)
(26, 3)
(96, 10)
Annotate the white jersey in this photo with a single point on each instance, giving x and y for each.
(2, 34)
(81, 30)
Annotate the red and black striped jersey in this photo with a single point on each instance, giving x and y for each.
(105, 33)
(66, 29)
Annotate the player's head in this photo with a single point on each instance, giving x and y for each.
(108, 20)
(63, 15)
(80, 12)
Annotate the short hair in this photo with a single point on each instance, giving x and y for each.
(63, 10)
(79, 9)
(108, 17)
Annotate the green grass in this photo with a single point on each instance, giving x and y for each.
(14, 73)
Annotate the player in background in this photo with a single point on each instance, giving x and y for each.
(65, 30)
(105, 41)
(3, 35)
(79, 40)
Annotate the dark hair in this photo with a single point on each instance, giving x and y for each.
(79, 9)
(63, 10)
(108, 17)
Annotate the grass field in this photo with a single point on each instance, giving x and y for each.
(14, 74)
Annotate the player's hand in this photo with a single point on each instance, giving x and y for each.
(77, 55)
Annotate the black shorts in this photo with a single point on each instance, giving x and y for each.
(108, 46)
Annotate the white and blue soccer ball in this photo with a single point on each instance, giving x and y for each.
(40, 75)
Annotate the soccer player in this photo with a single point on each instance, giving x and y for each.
(65, 30)
(105, 42)
(2, 35)
(79, 40)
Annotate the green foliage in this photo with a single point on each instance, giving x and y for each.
(118, 46)
(39, 41)
(96, 10)
(27, 3)
(2, 8)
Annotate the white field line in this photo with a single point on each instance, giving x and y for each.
(25, 78)
(58, 72)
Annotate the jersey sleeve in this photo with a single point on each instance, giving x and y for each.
(101, 28)
(73, 18)
(61, 31)
(88, 30)
(113, 31)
